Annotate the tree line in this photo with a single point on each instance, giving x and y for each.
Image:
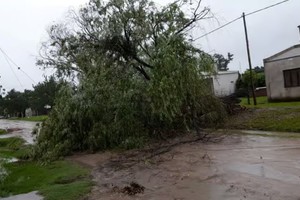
(14, 103)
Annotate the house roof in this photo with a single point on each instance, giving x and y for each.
(291, 52)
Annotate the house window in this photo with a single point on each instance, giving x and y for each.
(291, 78)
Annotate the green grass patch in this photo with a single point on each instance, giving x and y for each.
(40, 118)
(262, 102)
(55, 181)
(2, 131)
(28, 176)
(280, 119)
(14, 148)
(11, 143)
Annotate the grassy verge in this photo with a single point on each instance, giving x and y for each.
(2, 131)
(40, 118)
(271, 119)
(262, 102)
(55, 181)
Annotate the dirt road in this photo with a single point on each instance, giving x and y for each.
(239, 167)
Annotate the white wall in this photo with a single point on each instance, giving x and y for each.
(225, 83)
(275, 80)
(274, 67)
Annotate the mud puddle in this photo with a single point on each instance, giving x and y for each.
(238, 167)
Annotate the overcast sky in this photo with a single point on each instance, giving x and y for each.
(24, 23)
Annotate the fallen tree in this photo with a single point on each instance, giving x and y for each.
(133, 74)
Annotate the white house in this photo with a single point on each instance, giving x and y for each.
(282, 72)
(224, 82)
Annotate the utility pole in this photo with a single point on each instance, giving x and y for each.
(249, 60)
(299, 28)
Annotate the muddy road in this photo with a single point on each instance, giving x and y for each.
(238, 167)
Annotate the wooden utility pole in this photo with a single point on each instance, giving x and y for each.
(249, 60)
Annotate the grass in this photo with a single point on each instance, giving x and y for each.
(40, 118)
(28, 176)
(262, 102)
(55, 181)
(14, 148)
(2, 131)
(268, 119)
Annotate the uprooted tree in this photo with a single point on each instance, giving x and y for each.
(133, 74)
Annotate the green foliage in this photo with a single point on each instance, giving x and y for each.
(138, 74)
(258, 79)
(222, 62)
(26, 177)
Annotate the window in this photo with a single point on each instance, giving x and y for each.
(291, 78)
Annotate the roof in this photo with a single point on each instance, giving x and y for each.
(291, 52)
(220, 73)
(227, 72)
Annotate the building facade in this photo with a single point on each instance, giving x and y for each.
(282, 72)
(224, 83)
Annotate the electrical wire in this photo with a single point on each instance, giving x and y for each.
(18, 67)
(11, 68)
(265, 8)
(248, 14)
(217, 29)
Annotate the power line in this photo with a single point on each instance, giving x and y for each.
(265, 8)
(11, 68)
(251, 13)
(18, 67)
(217, 28)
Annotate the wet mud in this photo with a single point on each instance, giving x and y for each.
(238, 167)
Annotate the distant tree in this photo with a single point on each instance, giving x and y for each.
(222, 62)
(15, 103)
(44, 94)
(258, 69)
(258, 78)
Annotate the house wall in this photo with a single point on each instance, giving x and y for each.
(225, 83)
(275, 79)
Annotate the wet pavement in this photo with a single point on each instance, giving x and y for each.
(24, 132)
(28, 196)
(239, 167)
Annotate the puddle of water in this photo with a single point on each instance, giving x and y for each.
(9, 160)
(195, 190)
(28, 196)
(264, 172)
(25, 132)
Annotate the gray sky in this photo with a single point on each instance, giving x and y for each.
(24, 23)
